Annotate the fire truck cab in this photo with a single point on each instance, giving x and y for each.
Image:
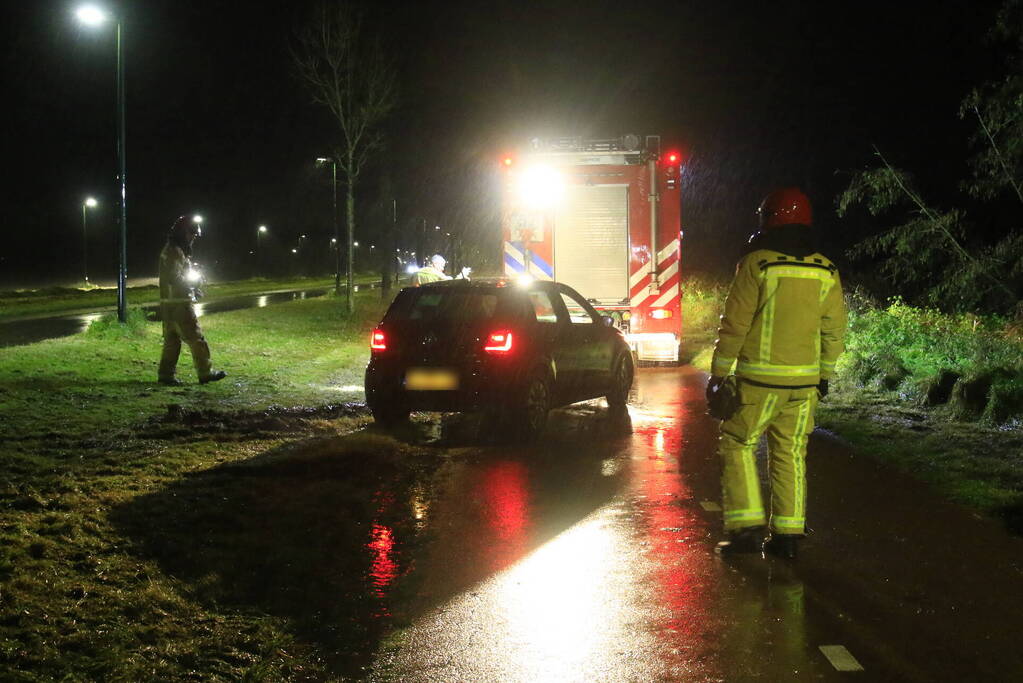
(603, 217)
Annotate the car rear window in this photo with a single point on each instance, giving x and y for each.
(451, 305)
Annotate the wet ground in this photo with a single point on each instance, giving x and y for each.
(439, 553)
(29, 331)
(591, 558)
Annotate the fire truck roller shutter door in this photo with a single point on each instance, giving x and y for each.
(591, 241)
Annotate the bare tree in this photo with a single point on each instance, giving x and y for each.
(348, 72)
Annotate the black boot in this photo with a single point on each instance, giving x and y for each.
(214, 376)
(746, 540)
(785, 546)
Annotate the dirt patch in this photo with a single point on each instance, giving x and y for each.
(178, 422)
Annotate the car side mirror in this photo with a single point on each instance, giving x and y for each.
(608, 321)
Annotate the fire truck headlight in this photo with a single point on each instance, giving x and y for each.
(541, 187)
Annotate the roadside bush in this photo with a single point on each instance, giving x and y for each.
(936, 358)
(703, 302)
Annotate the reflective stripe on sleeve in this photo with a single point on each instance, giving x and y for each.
(722, 366)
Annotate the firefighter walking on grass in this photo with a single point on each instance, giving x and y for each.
(178, 281)
(782, 331)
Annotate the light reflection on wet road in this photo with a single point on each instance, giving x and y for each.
(589, 558)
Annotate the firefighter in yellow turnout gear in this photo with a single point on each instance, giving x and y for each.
(782, 331)
(177, 294)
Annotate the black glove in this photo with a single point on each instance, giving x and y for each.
(822, 388)
(712, 387)
(722, 397)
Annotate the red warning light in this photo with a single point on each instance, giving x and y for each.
(672, 157)
(507, 161)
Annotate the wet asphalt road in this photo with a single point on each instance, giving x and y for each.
(591, 558)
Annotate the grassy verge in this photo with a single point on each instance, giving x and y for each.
(221, 532)
(57, 300)
(938, 396)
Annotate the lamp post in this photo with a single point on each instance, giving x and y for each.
(337, 233)
(260, 231)
(91, 15)
(89, 203)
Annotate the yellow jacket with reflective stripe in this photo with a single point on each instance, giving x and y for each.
(784, 320)
(174, 286)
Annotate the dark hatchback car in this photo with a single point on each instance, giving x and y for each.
(514, 350)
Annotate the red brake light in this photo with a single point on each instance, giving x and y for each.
(377, 341)
(499, 342)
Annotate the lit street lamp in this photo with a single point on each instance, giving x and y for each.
(260, 231)
(90, 15)
(337, 234)
(89, 203)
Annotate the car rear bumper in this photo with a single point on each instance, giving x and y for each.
(479, 387)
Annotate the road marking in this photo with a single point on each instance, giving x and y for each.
(840, 658)
(710, 506)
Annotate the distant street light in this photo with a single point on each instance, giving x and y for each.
(90, 15)
(89, 203)
(337, 233)
(260, 231)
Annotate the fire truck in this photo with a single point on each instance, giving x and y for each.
(604, 217)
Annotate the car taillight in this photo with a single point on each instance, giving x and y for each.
(499, 342)
(377, 341)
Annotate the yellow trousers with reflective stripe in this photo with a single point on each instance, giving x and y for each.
(786, 416)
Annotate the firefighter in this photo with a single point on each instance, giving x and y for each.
(178, 280)
(435, 272)
(782, 330)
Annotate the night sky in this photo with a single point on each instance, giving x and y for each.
(756, 95)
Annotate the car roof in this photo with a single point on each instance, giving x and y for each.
(493, 283)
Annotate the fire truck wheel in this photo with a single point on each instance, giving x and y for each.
(621, 382)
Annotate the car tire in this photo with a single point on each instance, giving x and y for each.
(534, 405)
(622, 373)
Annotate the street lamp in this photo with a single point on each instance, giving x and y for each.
(89, 203)
(91, 15)
(337, 234)
(260, 231)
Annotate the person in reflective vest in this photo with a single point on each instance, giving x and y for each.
(435, 272)
(781, 333)
(178, 280)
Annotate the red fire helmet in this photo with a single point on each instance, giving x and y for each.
(784, 206)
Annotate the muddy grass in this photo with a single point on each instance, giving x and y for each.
(971, 462)
(214, 546)
(240, 530)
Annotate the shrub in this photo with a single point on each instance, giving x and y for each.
(935, 357)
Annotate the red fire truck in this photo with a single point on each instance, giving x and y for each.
(604, 217)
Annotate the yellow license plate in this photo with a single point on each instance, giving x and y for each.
(431, 379)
